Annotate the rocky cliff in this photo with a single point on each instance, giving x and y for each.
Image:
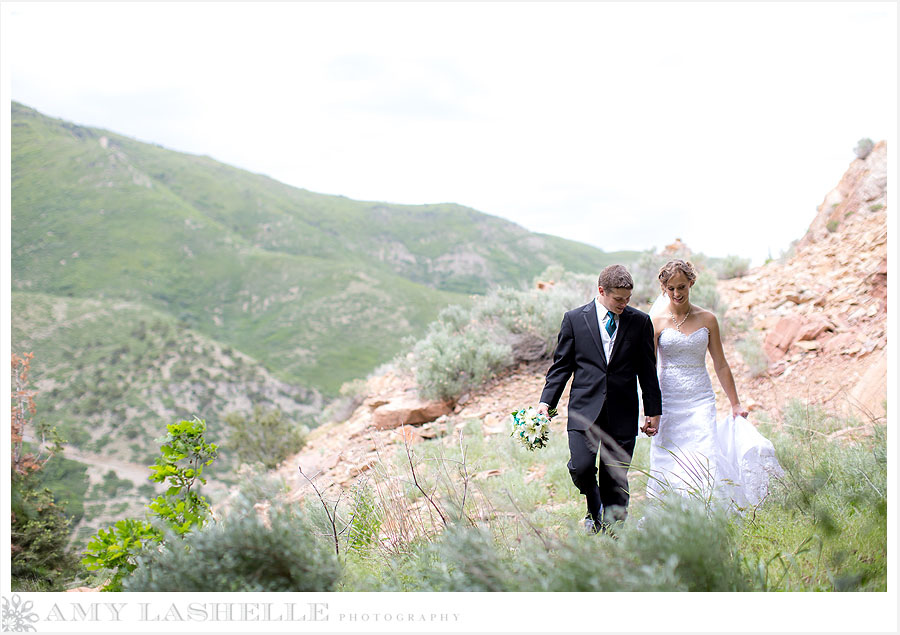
(821, 313)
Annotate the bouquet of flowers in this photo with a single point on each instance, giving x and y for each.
(530, 427)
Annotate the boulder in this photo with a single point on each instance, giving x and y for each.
(375, 402)
(878, 280)
(779, 340)
(408, 410)
(839, 343)
(806, 345)
(870, 392)
(814, 329)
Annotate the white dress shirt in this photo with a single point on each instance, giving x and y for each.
(607, 339)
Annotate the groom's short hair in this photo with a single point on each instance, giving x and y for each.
(615, 277)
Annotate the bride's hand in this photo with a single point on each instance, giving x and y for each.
(738, 410)
(651, 426)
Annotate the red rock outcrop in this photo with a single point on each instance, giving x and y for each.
(408, 410)
(862, 188)
(821, 314)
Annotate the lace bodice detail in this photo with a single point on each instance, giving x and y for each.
(682, 367)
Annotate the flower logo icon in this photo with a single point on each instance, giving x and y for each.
(17, 615)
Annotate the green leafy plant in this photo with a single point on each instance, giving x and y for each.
(365, 523)
(184, 455)
(117, 547)
(181, 509)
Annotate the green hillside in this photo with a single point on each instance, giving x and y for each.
(320, 289)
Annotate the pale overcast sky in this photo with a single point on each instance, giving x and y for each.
(619, 125)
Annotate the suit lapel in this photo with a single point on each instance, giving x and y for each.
(590, 317)
(624, 323)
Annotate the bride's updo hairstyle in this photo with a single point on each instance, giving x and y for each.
(674, 266)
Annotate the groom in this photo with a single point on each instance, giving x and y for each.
(607, 346)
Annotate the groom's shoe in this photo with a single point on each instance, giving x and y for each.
(608, 529)
(612, 519)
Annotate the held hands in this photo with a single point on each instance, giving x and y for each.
(651, 426)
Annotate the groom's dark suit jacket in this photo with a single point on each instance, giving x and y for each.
(598, 381)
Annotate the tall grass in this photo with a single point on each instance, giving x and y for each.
(824, 525)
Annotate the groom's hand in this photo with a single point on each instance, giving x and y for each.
(651, 425)
(543, 409)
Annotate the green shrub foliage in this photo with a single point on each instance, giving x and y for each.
(465, 347)
(753, 354)
(732, 267)
(832, 503)
(184, 454)
(680, 546)
(116, 549)
(863, 148)
(247, 551)
(266, 436)
(39, 537)
(366, 520)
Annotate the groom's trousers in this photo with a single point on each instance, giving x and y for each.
(605, 486)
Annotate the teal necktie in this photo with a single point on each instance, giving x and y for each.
(611, 323)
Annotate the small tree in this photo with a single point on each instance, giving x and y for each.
(184, 455)
(39, 527)
(23, 411)
(181, 509)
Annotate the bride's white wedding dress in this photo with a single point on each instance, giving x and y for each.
(693, 454)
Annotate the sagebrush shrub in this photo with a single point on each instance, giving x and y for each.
(465, 347)
(754, 356)
(265, 436)
(863, 148)
(645, 273)
(732, 267)
(448, 364)
(697, 538)
(245, 552)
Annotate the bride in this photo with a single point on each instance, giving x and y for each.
(690, 452)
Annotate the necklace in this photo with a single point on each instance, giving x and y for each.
(677, 323)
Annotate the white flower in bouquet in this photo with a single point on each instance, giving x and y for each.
(530, 427)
